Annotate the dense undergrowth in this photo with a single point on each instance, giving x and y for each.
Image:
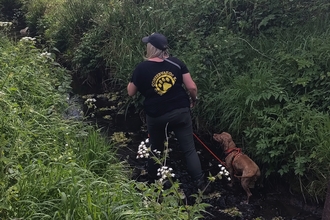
(262, 68)
(53, 166)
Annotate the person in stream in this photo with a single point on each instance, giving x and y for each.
(159, 78)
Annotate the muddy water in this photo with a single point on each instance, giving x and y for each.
(271, 198)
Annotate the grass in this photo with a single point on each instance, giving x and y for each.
(56, 167)
(50, 167)
(244, 80)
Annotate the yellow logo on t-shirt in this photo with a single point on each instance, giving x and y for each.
(163, 81)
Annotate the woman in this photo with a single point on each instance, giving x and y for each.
(159, 79)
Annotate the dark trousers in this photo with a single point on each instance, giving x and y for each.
(179, 121)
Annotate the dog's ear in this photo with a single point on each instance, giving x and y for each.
(224, 142)
(231, 143)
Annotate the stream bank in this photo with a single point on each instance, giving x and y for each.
(271, 200)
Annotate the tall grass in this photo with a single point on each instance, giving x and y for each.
(54, 167)
(46, 161)
(258, 65)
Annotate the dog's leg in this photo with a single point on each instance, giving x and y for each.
(245, 182)
(231, 173)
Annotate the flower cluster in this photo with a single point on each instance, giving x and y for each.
(224, 172)
(26, 39)
(90, 103)
(143, 149)
(5, 24)
(46, 55)
(164, 172)
(157, 152)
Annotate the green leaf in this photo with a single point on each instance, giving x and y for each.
(265, 21)
(13, 89)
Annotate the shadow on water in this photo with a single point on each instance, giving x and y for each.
(271, 200)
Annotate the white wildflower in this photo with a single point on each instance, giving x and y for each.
(90, 103)
(143, 150)
(165, 172)
(26, 39)
(46, 55)
(5, 24)
(224, 172)
(157, 152)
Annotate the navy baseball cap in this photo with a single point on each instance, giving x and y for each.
(157, 40)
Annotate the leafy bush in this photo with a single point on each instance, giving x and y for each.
(306, 68)
(248, 94)
(8, 8)
(55, 167)
(291, 140)
(261, 67)
(34, 12)
(88, 59)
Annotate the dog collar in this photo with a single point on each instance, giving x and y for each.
(227, 152)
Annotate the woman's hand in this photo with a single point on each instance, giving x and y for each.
(193, 102)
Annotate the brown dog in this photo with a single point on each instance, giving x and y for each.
(238, 164)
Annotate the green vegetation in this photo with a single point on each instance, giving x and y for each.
(53, 166)
(262, 68)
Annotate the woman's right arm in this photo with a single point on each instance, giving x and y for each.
(190, 86)
(131, 89)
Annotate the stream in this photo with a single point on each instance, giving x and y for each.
(271, 200)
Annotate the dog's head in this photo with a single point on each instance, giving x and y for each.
(225, 140)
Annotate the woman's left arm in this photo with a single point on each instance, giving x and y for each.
(131, 89)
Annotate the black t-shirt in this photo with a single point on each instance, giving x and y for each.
(161, 84)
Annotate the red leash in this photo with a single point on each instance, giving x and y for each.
(215, 156)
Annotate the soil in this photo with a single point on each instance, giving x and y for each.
(271, 199)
